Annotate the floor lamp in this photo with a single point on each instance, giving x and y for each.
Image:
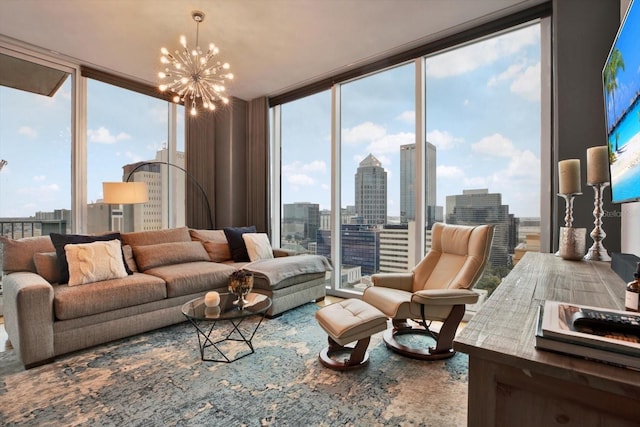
(124, 193)
(129, 193)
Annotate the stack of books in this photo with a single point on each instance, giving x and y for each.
(612, 336)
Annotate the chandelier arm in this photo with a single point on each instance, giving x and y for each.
(195, 181)
(196, 74)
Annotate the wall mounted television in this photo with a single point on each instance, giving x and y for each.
(621, 84)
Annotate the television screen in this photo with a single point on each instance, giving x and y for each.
(621, 83)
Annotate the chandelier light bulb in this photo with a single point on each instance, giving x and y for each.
(193, 75)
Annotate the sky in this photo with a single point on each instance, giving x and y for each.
(483, 115)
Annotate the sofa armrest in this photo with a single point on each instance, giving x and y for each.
(445, 297)
(279, 252)
(28, 316)
(400, 281)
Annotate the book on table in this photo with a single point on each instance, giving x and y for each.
(616, 340)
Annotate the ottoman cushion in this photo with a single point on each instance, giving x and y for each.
(351, 320)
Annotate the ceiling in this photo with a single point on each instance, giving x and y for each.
(273, 46)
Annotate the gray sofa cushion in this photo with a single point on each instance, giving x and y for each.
(70, 302)
(192, 277)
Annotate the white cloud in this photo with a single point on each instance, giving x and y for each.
(466, 102)
(297, 174)
(495, 145)
(509, 74)
(39, 178)
(103, 136)
(298, 180)
(28, 131)
(407, 117)
(38, 192)
(390, 143)
(443, 140)
(527, 84)
(524, 164)
(299, 167)
(364, 132)
(443, 171)
(468, 58)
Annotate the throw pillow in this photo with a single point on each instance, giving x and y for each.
(61, 240)
(214, 242)
(258, 246)
(94, 262)
(236, 242)
(218, 252)
(47, 266)
(130, 261)
(17, 255)
(151, 256)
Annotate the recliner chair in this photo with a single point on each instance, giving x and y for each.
(436, 289)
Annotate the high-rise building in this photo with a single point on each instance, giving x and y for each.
(161, 180)
(360, 247)
(371, 191)
(300, 222)
(407, 183)
(476, 207)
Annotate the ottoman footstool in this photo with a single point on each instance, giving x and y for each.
(345, 322)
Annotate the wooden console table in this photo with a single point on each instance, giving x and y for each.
(513, 384)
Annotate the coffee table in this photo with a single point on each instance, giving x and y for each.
(205, 319)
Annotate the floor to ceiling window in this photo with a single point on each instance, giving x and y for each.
(305, 187)
(35, 142)
(480, 158)
(377, 134)
(121, 143)
(483, 116)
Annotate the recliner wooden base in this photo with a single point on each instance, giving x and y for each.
(444, 339)
(358, 355)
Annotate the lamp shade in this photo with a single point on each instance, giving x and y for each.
(125, 193)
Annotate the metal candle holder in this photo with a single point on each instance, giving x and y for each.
(568, 216)
(568, 198)
(597, 251)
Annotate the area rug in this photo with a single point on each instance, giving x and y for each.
(158, 379)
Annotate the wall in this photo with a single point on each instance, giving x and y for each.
(583, 31)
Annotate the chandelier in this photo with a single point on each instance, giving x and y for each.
(194, 76)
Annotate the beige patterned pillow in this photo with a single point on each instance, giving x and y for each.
(94, 262)
(258, 246)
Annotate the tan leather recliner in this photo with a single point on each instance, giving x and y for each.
(436, 289)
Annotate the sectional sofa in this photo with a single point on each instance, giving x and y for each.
(47, 314)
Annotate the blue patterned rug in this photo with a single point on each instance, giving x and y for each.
(158, 379)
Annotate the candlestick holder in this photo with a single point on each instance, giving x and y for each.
(568, 199)
(597, 251)
(568, 216)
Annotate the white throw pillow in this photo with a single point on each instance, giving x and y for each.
(94, 262)
(258, 246)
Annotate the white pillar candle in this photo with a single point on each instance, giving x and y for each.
(569, 176)
(597, 165)
(212, 299)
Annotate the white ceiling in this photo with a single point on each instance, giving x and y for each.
(272, 45)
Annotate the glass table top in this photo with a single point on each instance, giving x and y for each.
(226, 310)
